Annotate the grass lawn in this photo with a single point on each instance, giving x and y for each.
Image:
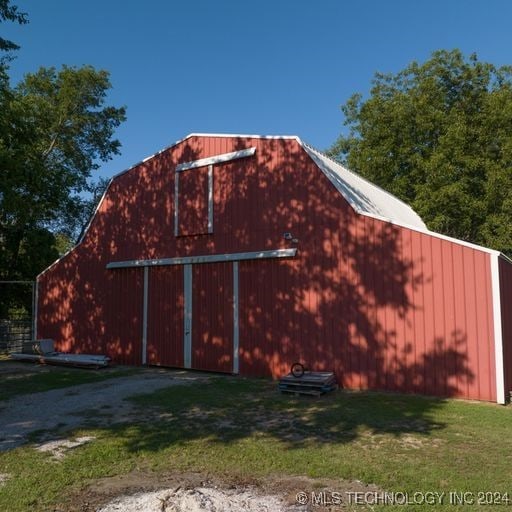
(241, 429)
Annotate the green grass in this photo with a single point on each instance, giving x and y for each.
(241, 429)
(14, 384)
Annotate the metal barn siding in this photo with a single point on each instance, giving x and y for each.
(123, 316)
(419, 316)
(82, 316)
(193, 202)
(165, 316)
(505, 274)
(384, 306)
(401, 312)
(212, 317)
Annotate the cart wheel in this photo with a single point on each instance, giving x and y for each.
(297, 370)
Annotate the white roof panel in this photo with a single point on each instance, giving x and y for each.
(365, 197)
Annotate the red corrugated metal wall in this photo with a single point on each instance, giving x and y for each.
(82, 316)
(165, 316)
(385, 307)
(505, 269)
(193, 202)
(123, 316)
(417, 321)
(212, 317)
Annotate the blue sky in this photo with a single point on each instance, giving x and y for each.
(266, 67)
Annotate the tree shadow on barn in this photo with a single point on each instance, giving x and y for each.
(359, 297)
(356, 299)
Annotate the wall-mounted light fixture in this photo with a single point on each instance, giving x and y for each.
(288, 236)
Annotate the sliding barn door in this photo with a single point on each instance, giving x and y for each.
(212, 317)
(165, 316)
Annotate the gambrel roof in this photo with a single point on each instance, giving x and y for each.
(365, 197)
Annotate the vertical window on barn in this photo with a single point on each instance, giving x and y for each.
(193, 193)
(194, 201)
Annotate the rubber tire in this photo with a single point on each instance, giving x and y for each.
(297, 370)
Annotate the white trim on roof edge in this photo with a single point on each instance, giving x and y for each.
(498, 330)
(175, 143)
(84, 232)
(270, 137)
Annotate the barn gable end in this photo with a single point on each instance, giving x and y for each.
(244, 254)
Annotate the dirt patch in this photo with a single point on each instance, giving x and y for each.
(3, 478)
(205, 499)
(145, 491)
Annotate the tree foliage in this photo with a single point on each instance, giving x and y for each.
(55, 129)
(439, 136)
(10, 13)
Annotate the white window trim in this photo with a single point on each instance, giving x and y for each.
(217, 159)
(196, 164)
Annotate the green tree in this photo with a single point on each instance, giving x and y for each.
(56, 129)
(10, 13)
(439, 136)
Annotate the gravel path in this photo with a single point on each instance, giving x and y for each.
(73, 406)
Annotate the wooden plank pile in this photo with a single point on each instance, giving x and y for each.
(310, 383)
(42, 351)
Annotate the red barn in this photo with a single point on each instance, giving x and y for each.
(243, 254)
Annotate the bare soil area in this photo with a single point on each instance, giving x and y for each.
(194, 492)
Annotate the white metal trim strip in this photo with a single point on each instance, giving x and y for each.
(498, 332)
(236, 330)
(187, 316)
(217, 159)
(145, 316)
(176, 196)
(207, 258)
(210, 198)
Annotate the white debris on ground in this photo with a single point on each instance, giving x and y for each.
(201, 499)
(59, 447)
(3, 478)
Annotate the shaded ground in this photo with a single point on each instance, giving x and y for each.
(22, 378)
(84, 405)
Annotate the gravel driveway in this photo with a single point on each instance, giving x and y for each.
(74, 406)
